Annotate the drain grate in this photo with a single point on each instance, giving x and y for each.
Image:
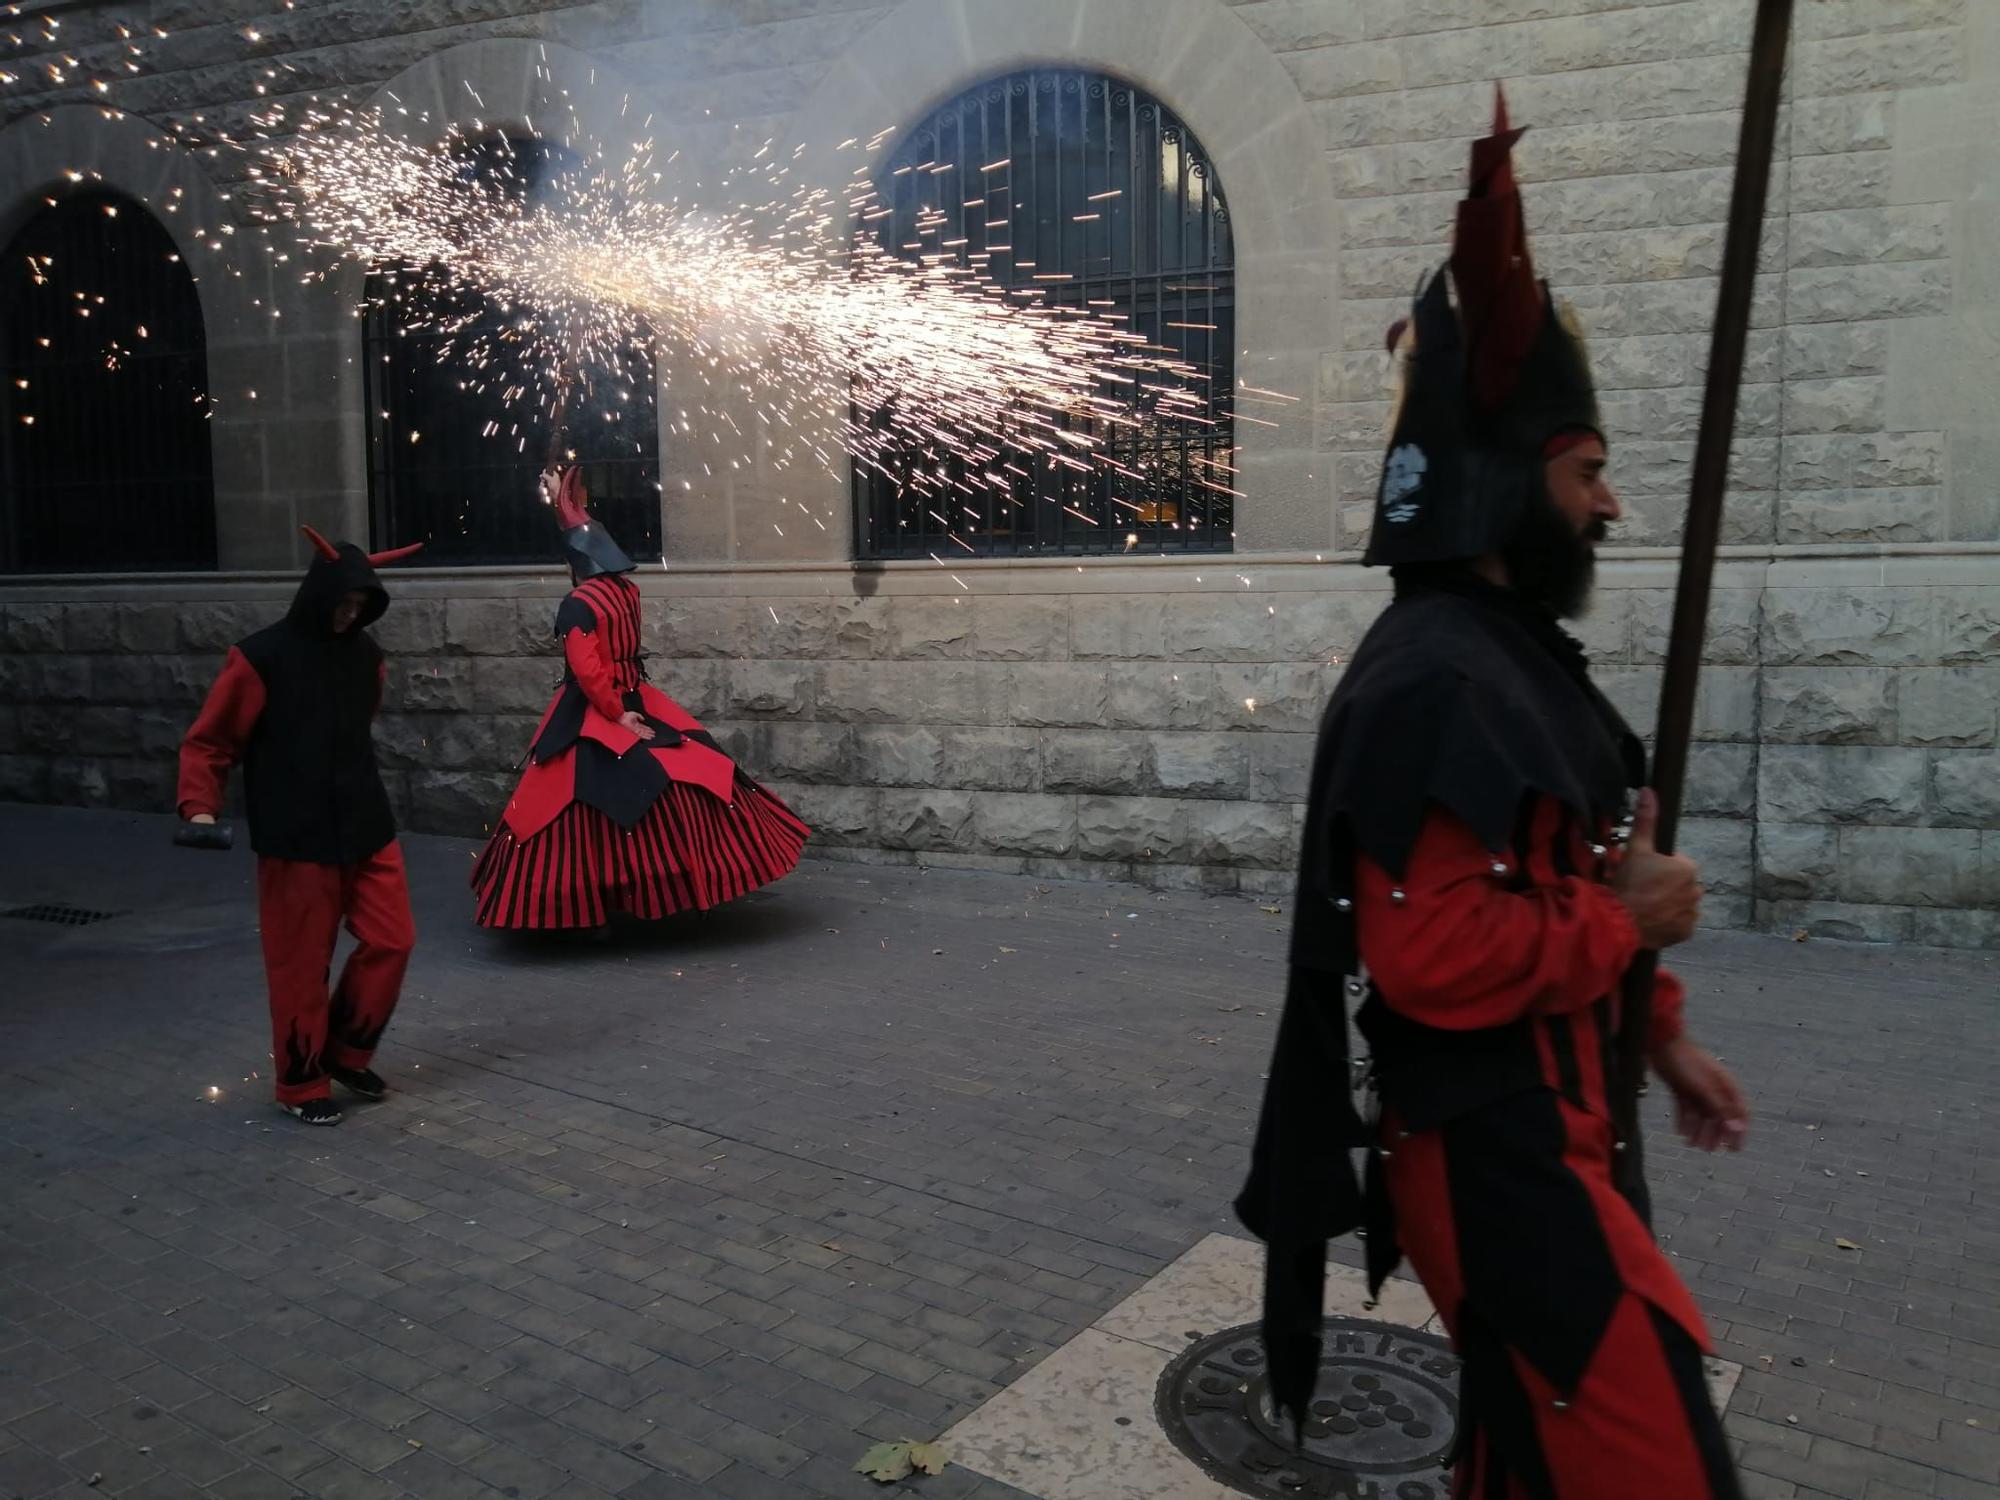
(59, 915)
(1382, 1424)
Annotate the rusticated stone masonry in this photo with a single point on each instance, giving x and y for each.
(1846, 780)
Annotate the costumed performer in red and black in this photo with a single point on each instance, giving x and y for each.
(1459, 879)
(295, 705)
(627, 804)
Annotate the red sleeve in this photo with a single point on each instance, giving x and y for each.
(586, 662)
(1669, 1000)
(1461, 950)
(220, 731)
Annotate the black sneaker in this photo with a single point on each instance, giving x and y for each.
(361, 1082)
(314, 1111)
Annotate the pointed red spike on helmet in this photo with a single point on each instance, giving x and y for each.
(321, 545)
(1499, 297)
(394, 554)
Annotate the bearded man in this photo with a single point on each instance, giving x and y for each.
(1478, 873)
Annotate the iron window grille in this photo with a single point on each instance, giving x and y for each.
(452, 461)
(105, 439)
(1105, 186)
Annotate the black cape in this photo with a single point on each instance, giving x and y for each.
(311, 787)
(1465, 697)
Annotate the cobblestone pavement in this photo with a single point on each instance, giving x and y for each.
(704, 1210)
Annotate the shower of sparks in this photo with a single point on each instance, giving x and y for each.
(918, 366)
(773, 321)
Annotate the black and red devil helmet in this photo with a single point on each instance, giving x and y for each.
(1489, 377)
(340, 570)
(588, 546)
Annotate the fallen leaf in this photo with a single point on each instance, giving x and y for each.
(1228, 1009)
(1010, 950)
(929, 1458)
(1801, 936)
(885, 1463)
(1846, 1244)
(1273, 910)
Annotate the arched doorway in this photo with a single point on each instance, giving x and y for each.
(105, 452)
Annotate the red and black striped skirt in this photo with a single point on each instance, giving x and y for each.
(690, 851)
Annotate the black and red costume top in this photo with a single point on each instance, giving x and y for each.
(1469, 785)
(295, 704)
(603, 679)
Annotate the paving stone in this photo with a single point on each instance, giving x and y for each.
(753, 1234)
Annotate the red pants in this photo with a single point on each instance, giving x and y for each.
(1510, 1219)
(299, 912)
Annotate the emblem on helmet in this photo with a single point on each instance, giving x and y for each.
(1402, 478)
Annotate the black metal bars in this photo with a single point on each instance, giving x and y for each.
(104, 430)
(1094, 194)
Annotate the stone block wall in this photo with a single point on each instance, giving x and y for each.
(1878, 789)
(1151, 723)
(1121, 717)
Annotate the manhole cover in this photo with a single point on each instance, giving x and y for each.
(1383, 1416)
(61, 916)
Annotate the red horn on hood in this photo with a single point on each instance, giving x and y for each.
(394, 554)
(321, 545)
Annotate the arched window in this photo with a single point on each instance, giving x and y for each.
(105, 443)
(453, 451)
(1097, 195)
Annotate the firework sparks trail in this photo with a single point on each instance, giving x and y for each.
(921, 354)
(952, 386)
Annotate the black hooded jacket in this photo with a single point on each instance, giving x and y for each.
(311, 786)
(1462, 697)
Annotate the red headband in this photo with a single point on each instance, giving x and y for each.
(1567, 439)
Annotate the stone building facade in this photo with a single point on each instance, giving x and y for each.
(1151, 717)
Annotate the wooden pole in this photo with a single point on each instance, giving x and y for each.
(1704, 529)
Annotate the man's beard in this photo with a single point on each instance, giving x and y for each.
(1547, 560)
